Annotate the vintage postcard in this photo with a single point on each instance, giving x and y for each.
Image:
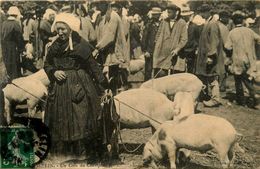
(131, 84)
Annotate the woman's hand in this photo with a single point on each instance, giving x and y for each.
(60, 75)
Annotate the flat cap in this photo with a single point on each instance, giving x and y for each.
(224, 13)
(172, 7)
(204, 8)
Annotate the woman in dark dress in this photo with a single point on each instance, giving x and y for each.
(73, 105)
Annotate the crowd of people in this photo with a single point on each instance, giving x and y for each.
(86, 48)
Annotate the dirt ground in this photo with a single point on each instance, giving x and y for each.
(245, 120)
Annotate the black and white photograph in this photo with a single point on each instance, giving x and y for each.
(130, 84)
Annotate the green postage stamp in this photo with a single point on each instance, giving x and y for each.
(17, 150)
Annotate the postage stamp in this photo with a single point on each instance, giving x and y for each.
(17, 150)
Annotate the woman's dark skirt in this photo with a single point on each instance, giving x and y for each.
(73, 108)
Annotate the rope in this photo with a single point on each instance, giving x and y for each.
(124, 146)
(28, 92)
(120, 137)
(138, 111)
(104, 99)
(158, 73)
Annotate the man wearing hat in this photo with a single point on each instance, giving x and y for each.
(172, 37)
(148, 40)
(118, 6)
(111, 43)
(193, 39)
(242, 41)
(209, 51)
(12, 42)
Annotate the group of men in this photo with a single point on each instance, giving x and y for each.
(208, 47)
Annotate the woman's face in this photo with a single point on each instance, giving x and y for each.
(63, 30)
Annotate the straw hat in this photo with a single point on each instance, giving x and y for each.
(155, 10)
(185, 11)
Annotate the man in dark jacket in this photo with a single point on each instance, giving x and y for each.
(209, 52)
(12, 42)
(149, 39)
(189, 51)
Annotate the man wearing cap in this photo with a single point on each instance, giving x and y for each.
(111, 43)
(193, 39)
(172, 37)
(148, 40)
(242, 41)
(209, 51)
(12, 42)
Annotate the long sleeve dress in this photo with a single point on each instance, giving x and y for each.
(73, 105)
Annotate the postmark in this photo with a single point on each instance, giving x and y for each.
(17, 147)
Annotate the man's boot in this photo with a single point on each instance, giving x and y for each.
(215, 98)
(251, 102)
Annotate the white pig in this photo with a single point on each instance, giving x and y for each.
(149, 102)
(183, 105)
(12, 93)
(137, 65)
(170, 85)
(41, 76)
(197, 132)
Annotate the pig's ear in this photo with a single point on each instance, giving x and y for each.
(176, 110)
